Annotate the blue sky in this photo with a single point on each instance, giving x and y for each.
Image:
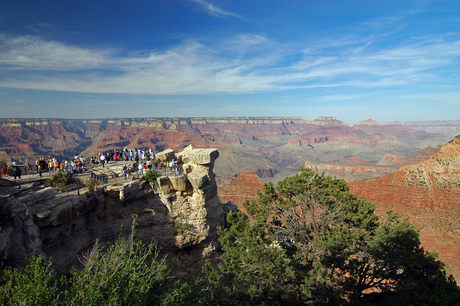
(354, 60)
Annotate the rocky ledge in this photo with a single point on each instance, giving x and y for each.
(179, 212)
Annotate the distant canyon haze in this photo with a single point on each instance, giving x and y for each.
(272, 147)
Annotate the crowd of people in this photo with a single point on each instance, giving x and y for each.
(143, 157)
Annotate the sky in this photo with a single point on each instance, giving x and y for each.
(353, 60)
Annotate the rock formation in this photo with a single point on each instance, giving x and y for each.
(450, 128)
(243, 187)
(355, 169)
(352, 169)
(191, 197)
(181, 213)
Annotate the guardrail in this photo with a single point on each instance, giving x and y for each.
(99, 177)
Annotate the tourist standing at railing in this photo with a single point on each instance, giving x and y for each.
(16, 171)
(27, 166)
(82, 160)
(102, 159)
(51, 166)
(74, 166)
(57, 166)
(79, 166)
(149, 164)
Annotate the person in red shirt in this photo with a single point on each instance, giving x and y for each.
(79, 166)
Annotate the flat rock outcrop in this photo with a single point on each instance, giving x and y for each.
(355, 169)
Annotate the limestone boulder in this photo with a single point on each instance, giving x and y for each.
(165, 155)
(179, 182)
(197, 156)
(164, 184)
(198, 180)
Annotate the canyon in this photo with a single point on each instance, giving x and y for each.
(272, 147)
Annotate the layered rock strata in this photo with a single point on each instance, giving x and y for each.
(243, 188)
(273, 147)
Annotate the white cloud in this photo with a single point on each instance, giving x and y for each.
(214, 10)
(29, 52)
(242, 64)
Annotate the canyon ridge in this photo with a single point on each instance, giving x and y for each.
(272, 147)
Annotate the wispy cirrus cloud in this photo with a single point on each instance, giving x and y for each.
(214, 10)
(32, 52)
(241, 64)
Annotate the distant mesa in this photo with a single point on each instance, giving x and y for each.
(243, 187)
(369, 121)
(356, 161)
(327, 121)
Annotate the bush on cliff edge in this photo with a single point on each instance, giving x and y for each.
(58, 180)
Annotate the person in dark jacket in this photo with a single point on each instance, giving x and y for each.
(16, 172)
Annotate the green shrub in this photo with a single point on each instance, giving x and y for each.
(151, 177)
(58, 180)
(90, 183)
(35, 284)
(182, 228)
(126, 273)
